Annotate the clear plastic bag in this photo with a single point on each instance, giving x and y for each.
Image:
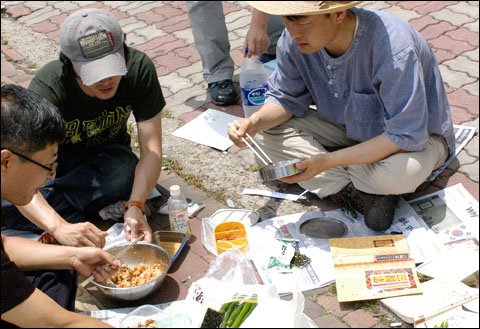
(232, 266)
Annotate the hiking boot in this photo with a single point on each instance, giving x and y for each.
(222, 92)
(378, 210)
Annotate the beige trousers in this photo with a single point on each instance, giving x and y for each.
(304, 137)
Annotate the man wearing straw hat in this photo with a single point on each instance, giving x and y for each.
(381, 123)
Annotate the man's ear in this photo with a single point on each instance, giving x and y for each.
(340, 16)
(6, 158)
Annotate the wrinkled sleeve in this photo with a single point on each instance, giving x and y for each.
(287, 87)
(402, 91)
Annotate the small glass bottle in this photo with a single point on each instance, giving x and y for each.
(177, 211)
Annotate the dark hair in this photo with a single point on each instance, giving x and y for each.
(293, 18)
(29, 121)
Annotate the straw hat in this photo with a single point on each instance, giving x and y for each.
(302, 8)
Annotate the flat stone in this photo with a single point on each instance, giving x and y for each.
(185, 35)
(329, 321)
(234, 15)
(463, 64)
(473, 26)
(472, 88)
(455, 79)
(39, 16)
(452, 17)
(330, 303)
(174, 82)
(407, 15)
(464, 7)
(360, 319)
(472, 55)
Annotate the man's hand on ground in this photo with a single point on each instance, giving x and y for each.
(80, 235)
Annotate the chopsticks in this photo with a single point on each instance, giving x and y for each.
(264, 160)
(120, 253)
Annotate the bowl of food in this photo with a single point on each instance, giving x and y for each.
(279, 169)
(144, 268)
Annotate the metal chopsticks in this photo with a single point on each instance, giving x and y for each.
(265, 160)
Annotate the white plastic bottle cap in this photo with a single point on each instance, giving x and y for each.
(175, 190)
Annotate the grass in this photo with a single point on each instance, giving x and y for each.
(333, 288)
(254, 168)
(166, 114)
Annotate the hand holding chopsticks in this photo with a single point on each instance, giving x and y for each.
(265, 160)
(120, 253)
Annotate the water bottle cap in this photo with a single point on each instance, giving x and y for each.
(175, 190)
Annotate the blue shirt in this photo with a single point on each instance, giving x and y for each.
(388, 82)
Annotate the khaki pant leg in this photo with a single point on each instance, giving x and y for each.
(303, 138)
(307, 136)
(402, 172)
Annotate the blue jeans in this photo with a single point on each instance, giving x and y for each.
(86, 182)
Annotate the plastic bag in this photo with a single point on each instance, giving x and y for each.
(232, 266)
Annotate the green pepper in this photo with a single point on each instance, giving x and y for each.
(227, 314)
(235, 313)
(224, 308)
(241, 315)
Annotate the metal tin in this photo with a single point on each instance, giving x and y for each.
(173, 242)
(323, 228)
(280, 169)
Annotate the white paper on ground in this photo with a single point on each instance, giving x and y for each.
(209, 128)
(272, 194)
(437, 297)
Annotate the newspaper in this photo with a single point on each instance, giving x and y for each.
(463, 134)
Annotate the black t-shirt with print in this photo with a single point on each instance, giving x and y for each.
(91, 121)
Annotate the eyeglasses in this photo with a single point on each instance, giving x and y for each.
(51, 170)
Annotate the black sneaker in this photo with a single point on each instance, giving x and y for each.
(223, 92)
(378, 210)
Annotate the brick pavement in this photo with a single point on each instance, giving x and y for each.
(161, 29)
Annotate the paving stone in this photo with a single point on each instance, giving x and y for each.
(11, 54)
(464, 34)
(190, 53)
(143, 8)
(433, 6)
(420, 23)
(150, 17)
(58, 20)
(402, 13)
(453, 78)
(39, 15)
(472, 55)
(329, 321)
(45, 27)
(443, 55)
(229, 7)
(463, 64)
(436, 30)
(233, 16)
(360, 319)
(472, 147)
(472, 88)
(171, 60)
(330, 303)
(168, 11)
(473, 26)
(411, 4)
(239, 23)
(115, 4)
(177, 27)
(186, 35)
(18, 10)
(155, 43)
(64, 6)
(174, 82)
(312, 309)
(86, 3)
(177, 103)
(470, 186)
(133, 39)
(463, 7)
(192, 70)
(133, 27)
(462, 99)
(452, 17)
(35, 5)
(132, 5)
(150, 32)
(127, 21)
(460, 115)
(375, 5)
(471, 170)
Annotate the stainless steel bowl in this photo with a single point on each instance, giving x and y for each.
(142, 252)
(280, 169)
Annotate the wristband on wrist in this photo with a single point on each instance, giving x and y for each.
(135, 203)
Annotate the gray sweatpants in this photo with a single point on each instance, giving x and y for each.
(304, 137)
(207, 22)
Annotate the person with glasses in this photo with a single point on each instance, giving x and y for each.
(38, 281)
(97, 83)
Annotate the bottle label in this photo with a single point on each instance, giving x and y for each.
(254, 96)
(179, 223)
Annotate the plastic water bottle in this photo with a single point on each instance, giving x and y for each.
(253, 84)
(177, 211)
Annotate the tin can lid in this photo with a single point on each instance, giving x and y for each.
(246, 217)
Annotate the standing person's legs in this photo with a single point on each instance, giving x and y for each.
(275, 27)
(86, 182)
(207, 22)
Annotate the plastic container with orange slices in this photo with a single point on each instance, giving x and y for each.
(230, 235)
